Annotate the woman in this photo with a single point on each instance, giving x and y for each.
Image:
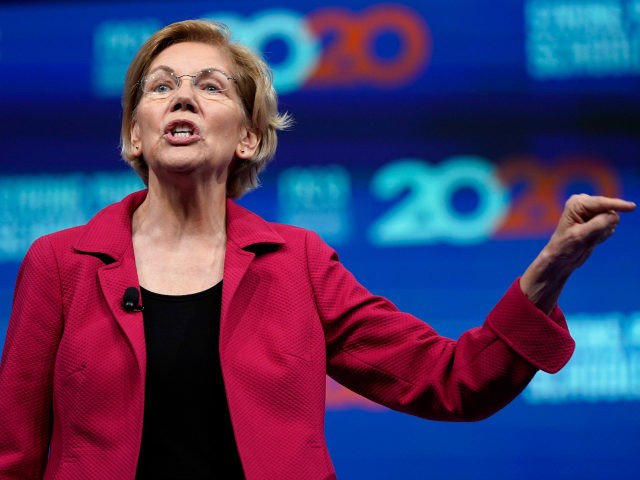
(239, 319)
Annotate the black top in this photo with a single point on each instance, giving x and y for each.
(187, 431)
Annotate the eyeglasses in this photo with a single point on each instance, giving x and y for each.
(208, 83)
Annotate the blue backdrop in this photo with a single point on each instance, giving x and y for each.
(434, 146)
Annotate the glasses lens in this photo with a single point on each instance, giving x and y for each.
(211, 82)
(160, 84)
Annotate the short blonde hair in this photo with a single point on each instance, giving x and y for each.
(254, 81)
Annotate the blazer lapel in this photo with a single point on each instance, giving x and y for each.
(246, 232)
(114, 280)
(108, 236)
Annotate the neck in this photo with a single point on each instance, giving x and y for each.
(199, 210)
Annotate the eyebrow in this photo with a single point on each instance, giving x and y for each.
(168, 69)
(162, 67)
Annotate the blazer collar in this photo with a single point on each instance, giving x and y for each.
(246, 229)
(109, 231)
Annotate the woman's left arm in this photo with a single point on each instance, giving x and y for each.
(398, 360)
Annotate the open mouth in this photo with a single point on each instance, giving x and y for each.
(180, 131)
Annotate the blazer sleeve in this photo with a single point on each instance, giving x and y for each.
(26, 368)
(398, 360)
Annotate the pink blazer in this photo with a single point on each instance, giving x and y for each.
(73, 366)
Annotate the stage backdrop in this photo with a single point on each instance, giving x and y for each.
(434, 146)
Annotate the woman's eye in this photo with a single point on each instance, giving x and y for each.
(210, 88)
(160, 85)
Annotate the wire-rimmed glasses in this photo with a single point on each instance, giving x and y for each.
(164, 83)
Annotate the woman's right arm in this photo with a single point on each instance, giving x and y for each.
(27, 365)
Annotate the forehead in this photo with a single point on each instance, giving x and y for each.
(189, 57)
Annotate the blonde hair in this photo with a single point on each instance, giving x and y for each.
(254, 81)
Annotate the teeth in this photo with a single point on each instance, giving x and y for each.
(183, 131)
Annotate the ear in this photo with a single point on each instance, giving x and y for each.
(248, 145)
(134, 135)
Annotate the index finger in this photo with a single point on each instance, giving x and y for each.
(603, 204)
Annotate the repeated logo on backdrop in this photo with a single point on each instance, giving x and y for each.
(460, 200)
(382, 46)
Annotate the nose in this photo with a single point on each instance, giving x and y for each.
(183, 104)
(184, 97)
